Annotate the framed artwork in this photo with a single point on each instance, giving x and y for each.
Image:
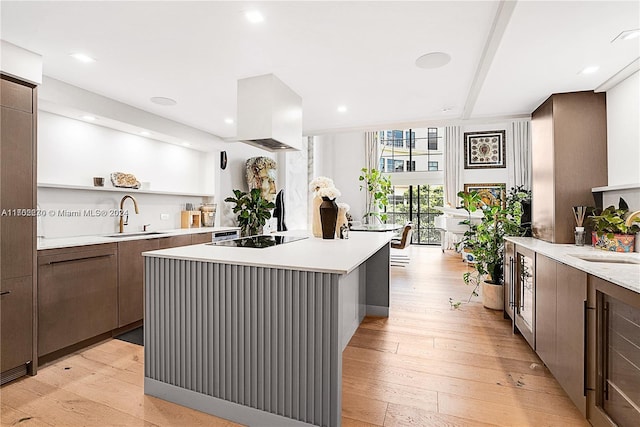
(484, 149)
(491, 194)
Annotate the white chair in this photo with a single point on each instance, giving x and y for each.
(398, 259)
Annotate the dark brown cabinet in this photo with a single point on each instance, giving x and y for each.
(614, 357)
(199, 238)
(174, 241)
(569, 158)
(525, 300)
(18, 226)
(16, 299)
(131, 279)
(509, 278)
(77, 295)
(131, 274)
(561, 296)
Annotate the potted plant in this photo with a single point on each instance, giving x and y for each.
(378, 187)
(485, 241)
(614, 229)
(252, 209)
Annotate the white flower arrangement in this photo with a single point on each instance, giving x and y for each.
(329, 192)
(324, 187)
(321, 182)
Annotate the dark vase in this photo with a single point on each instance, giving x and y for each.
(328, 217)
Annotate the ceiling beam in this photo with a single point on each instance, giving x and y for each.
(500, 22)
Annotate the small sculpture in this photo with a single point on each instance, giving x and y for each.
(344, 231)
(261, 173)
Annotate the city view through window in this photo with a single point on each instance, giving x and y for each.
(414, 150)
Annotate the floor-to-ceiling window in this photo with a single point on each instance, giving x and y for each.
(416, 203)
(414, 159)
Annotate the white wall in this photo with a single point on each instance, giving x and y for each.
(20, 63)
(72, 152)
(623, 131)
(340, 157)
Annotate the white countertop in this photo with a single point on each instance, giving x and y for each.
(65, 242)
(625, 275)
(339, 256)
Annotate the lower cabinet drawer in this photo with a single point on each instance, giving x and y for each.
(77, 296)
(16, 322)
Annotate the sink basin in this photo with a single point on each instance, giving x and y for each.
(611, 258)
(142, 233)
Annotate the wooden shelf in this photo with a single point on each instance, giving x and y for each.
(120, 190)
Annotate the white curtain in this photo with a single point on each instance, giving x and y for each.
(519, 158)
(372, 159)
(453, 166)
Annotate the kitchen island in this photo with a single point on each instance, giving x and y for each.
(255, 335)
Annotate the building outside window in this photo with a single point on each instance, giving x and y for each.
(414, 150)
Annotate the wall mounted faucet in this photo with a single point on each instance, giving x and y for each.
(135, 205)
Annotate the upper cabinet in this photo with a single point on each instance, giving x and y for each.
(569, 158)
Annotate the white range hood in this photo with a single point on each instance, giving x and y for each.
(269, 114)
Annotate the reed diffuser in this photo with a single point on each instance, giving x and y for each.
(579, 213)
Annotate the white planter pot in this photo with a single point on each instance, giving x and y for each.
(492, 296)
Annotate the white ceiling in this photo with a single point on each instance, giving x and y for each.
(506, 58)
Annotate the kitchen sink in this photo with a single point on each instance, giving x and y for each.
(142, 233)
(610, 258)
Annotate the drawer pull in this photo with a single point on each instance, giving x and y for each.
(5, 293)
(80, 259)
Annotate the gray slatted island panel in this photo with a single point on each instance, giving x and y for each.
(264, 338)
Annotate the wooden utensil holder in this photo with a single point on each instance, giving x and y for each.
(190, 219)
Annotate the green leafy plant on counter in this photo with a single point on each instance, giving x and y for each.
(252, 211)
(378, 186)
(612, 221)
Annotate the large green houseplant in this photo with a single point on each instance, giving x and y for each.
(485, 240)
(252, 211)
(378, 187)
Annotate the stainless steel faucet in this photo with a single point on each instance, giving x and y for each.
(122, 221)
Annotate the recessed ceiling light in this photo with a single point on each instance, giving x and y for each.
(627, 35)
(145, 133)
(447, 109)
(161, 100)
(342, 109)
(82, 57)
(186, 144)
(88, 118)
(254, 16)
(433, 60)
(228, 121)
(589, 70)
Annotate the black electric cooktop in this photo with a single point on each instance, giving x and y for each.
(262, 241)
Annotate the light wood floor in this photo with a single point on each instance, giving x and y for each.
(426, 365)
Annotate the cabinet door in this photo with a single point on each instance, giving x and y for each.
(174, 241)
(546, 306)
(200, 238)
(17, 192)
(570, 343)
(77, 295)
(16, 323)
(509, 279)
(131, 279)
(525, 293)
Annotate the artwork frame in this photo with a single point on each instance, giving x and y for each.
(485, 149)
(491, 194)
